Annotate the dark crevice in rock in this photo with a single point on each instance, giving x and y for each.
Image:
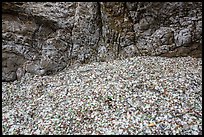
(100, 25)
(72, 44)
(46, 22)
(13, 8)
(100, 22)
(132, 27)
(119, 48)
(33, 41)
(181, 51)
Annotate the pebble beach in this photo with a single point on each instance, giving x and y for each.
(134, 96)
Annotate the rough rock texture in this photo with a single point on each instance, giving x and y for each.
(43, 38)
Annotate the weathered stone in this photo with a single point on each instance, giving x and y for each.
(43, 38)
(183, 38)
(20, 72)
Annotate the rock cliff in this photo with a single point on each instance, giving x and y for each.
(43, 38)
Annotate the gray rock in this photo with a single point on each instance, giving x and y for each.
(20, 72)
(183, 38)
(64, 34)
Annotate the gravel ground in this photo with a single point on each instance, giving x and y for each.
(139, 96)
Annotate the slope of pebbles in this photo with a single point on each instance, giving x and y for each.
(140, 95)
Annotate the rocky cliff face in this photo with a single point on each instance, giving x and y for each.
(43, 38)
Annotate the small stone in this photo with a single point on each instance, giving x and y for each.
(151, 125)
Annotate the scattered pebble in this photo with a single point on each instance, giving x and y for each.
(140, 95)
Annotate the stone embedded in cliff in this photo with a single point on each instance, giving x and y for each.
(162, 40)
(10, 63)
(184, 37)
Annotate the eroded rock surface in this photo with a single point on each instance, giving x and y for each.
(50, 36)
